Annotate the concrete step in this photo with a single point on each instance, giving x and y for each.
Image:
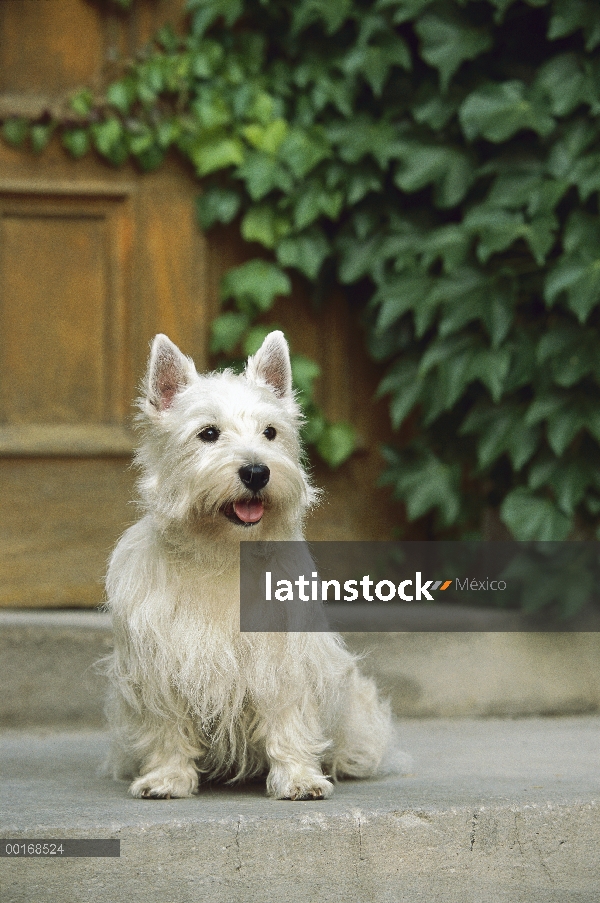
(47, 661)
(492, 811)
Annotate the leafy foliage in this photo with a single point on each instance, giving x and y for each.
(440, 159)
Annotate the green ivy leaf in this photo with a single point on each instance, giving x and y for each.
(15, 131)
(397, 296)
(564, 82)
(206, 59)
(576, 136)
(544, 406)
(150, 158)
(302, 151)
(40, 136)
(227, 331)
(304, 373)
(360, 183)
(214, 151)
(121, 95)
(434, 109)
(577, 272)
(571, 15)
(569, 481)
(255, 285)
(265, 225)
(578, 278)
(376, 60)
(305, 252)
(586, 175)
(333, 13)
(313, 426)
(336, 443)
(167, 38)
(389, 52)
(425, 483)
(404, 384)
(217, 205)
(82, 102)
(529, 517)
(501, 430)
(447, 40)
(167, 132)
(562, 428)
(358, 257)
(468, 296)
(449, 243)
(262, 174)
(314, 202)
(140, 138)
(76, 141)
(498, 111)
(498, 229)
(449, 169)
(363, 137)
(461, 360)
(205, 12)
(267, 138)
(211, 110)
(403, 10)
(262, 109)
(109, 139)
(569, 352)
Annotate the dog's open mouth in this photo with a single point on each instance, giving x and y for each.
(246, 512)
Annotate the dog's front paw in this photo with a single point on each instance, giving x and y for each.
(303, 786)
(164, 784)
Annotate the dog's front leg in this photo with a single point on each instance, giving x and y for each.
(294, 748)
(167, 768)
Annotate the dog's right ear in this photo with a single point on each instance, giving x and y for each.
(271, 365)
(169, 371)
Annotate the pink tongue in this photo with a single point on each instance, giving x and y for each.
(250, 510)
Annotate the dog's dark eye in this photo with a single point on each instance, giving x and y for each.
(270, 432)
(209, 434)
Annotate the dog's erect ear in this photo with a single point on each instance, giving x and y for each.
(271, 364)
(169, 371)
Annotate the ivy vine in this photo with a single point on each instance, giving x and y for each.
(440, 159)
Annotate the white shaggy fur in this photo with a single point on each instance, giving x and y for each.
(192, 695)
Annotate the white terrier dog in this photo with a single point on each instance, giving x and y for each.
(192, 695)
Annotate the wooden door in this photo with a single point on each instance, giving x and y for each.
(94, 261)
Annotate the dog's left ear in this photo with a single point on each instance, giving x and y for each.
(271, 364)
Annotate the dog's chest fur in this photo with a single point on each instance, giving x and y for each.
(184, 616)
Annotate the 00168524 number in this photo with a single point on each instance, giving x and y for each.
(34, 848)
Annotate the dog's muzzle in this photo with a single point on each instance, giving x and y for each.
(249, 511)
(254, 476)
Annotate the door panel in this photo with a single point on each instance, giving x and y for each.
(64, 283)
(59, 519)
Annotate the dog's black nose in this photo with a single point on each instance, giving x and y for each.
(254, 476)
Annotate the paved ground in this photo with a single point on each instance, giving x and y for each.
(490, 810)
